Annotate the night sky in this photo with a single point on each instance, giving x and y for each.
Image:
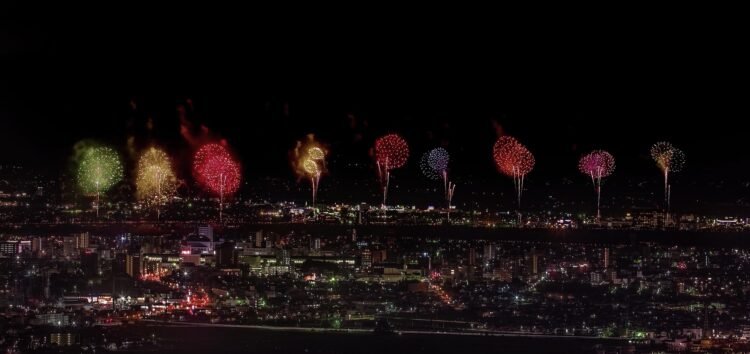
(263, 88)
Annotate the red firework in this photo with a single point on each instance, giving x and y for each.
(216, 171)
(391, 151)
(513, 160)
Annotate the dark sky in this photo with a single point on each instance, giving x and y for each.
(264, 86)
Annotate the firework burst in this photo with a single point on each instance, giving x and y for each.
(391, 151)
(439, 159)
(597, 164)
(309, 161)
(427, 170)
(434, 165)
(513, 160)
(217, 171)
(669, 159)
(99, 169)
(155, 180)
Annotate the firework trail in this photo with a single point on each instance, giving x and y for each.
(309, 161)
(99, 169)
(513, 160)
(155, 178)
(434, 165)
(391, 151)
(217, 171)
(597, 164)
(669, 159)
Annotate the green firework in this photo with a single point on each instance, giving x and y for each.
(98, 170)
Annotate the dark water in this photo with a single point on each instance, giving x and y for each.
(237, 340)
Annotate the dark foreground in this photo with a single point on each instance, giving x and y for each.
(178, 339)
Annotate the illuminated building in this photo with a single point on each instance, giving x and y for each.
(62, 339)
(378, 256)
(133, 265)
(83, 240)
(605, 259)
(70, 246)
(366, 259)
(316, 244)
(259, 239)
(9, 247)
(208, 232)
(51, 319)
(155, 265)
(37, 244)
(532, 263)
(489, 253)
(283, 258)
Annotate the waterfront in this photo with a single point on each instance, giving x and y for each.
(190, 339)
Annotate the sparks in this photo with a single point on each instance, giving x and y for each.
(391, 151)
(597, 164)
(309, 161)
(217, 171)
(513, 160)
(669, 159)
(434, 165)
(99, 169)
(155, 180)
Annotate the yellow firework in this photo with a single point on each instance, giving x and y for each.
(155, 182)
(316, 153)
(311, 167)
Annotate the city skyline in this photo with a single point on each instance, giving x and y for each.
(254, 180)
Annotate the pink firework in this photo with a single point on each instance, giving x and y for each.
(391, 151)
(217, 171)
(513, 160)
(597, 164)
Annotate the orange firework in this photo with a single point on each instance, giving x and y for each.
(309, 161)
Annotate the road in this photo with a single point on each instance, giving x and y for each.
(475, 333)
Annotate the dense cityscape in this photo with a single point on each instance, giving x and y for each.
(230, 182)
(80, 278)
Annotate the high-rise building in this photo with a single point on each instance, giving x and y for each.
(366, 259)
(605, 257)
(316, 244)
(90, 264)
(283, 258)
(119, 263)
(133, 265)
(37, 244)
(226, 255)
(379, 256)
(259, 239)
(489, 253)
(83, 240)
(533, 265)
(596, 278)
(472, 256)
(208, 232)
(9, 247)
(70, 246)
